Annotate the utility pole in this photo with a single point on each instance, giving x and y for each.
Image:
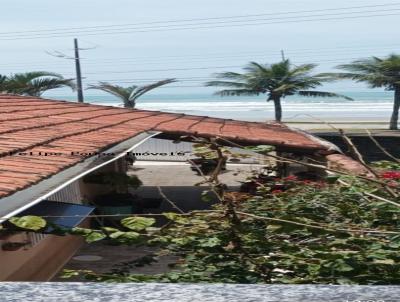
(283, 55)
(78, 72)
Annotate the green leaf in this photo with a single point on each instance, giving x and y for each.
(261, 149)
(331, 179)
(95, 236)
(125, 235)
(68, 273)
(273, 227)
(176, 218)
(130, 235)
(89, 234)
(137, 223)
(182, 241)
(386, 261)
(205, 196)
(80, 231)
(210, 242)
(110, 230)
(33, 223)
(342, 266)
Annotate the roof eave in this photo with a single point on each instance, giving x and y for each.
(237, 140)
(19, 201)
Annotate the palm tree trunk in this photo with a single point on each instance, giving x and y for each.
(129, 104)
(278, 108)
(396, 106)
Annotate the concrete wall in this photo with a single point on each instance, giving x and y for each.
(366, 147)
(40, 262)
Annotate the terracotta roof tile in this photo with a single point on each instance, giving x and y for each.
(32, 125)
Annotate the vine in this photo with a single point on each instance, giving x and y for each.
(343, 229)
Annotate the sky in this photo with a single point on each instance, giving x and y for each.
(143, 53)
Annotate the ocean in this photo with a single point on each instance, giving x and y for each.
(371, 106)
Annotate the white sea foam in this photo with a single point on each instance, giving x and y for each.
(263, 106)
(366, 106)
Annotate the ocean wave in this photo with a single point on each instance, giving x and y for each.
(256, 106)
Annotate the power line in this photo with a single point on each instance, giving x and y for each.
(249, 57)
(274, 52)
(336, 61)
(191, 68)
(219, 22)
(169, 69)
(315, 57)
(66, 68)
(182, 86)
(194, 26)
(204, 56)
(202, 19)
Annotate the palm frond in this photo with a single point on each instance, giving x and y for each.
(376, 72)
(35, 82)
(323, 94)
(30, 76)
(236, 92)
(120, 92)
(3, 83)
(226, 84)
(254, 67)
(144, 89)
(231, 75)
(302, 69)
(39, 85)
(129, 94)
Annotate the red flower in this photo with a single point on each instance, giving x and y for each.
(290, 178)
(276, 191)
(391, 175)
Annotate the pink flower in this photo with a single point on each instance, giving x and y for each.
(393, 184)
(276, 191)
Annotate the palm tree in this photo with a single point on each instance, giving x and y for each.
(129, 94)
(275, 80)
(33, 83)
(3, 83)
(377, 72)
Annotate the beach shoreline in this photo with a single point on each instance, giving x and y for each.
(368, 111)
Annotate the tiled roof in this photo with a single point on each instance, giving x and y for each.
(36, 125)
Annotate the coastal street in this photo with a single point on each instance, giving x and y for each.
(359, 126)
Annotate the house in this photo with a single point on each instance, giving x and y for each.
(47, 147)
